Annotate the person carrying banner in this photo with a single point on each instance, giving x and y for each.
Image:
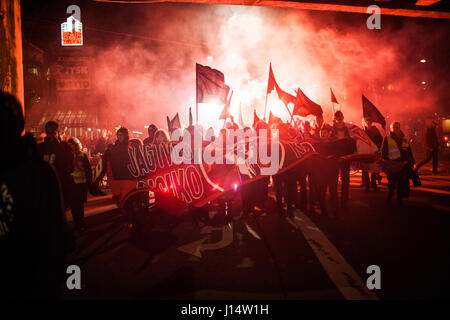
(254, 195)
(344, 145)
(161, 136)
(285, 184)
(398, 161)
(374, 134)
(151, 134)
(331, 172)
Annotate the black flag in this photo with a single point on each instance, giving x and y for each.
(174, 123)
(211, 85)
(371, 113)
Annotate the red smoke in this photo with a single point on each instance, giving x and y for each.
(143, 81)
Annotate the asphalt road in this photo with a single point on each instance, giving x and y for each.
(267, 256)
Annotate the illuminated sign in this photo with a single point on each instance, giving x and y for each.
(72, 29)
(73, 84)
(72, 73)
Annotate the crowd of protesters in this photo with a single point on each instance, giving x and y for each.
(306, 186)
(39, 181)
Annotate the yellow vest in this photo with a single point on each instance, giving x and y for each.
(78, 173)
(393, 150)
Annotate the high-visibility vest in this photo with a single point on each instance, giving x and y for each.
(393, 150)
(78, 174)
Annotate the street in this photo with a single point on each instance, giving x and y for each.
(271, 257)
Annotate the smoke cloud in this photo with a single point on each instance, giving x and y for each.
(142, 80)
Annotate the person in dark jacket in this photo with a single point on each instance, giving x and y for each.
(151, 134)
(343, 145)
(397, 151)
(331, 168)
(58, 154)
(431, 147)
(374, 134)
(285, 184)
(33, 235)
(79, 184)
(100, 146)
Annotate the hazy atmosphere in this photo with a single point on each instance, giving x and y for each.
(144, 59)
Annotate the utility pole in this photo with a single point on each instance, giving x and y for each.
(11, 62)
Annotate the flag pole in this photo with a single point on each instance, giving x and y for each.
(265, 107)
(291, 114)
(196, 92)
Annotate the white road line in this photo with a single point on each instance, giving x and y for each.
(252, 232)
(195, 248)
(340, 272)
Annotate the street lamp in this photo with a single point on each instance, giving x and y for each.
(423, 60)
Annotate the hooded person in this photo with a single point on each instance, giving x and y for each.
(33, 237)
(117, 156)
(59, 155)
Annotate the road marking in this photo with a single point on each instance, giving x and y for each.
(432, 190)
(252, 232)
(340, 272)
(227, 239)
(195, 248)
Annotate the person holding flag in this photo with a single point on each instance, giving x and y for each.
(372, 114)
(374, 134)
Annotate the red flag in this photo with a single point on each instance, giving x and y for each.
(333, 98)
(282, 95)
(271, 83)
(304, 106)
(274, 119)
(226, 110)
(256, 119)
(211, 85)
